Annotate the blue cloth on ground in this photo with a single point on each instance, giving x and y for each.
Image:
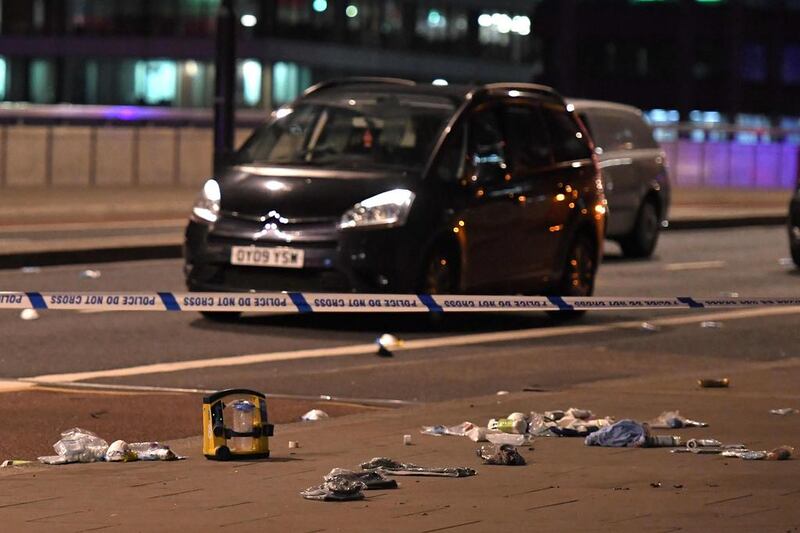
(623, 433)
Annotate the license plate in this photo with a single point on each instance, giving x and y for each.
(281, 256)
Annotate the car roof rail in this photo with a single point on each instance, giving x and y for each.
(356, 80)
(524, 87)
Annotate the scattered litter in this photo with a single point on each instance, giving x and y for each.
(673, 420)
(14, 462)
(293, 444)
(508, 425)
(713, 383)
(394, 468)
(656, 484)
(662, 441)
(439, 430)
(710, 324)
(386, 343)
(624, 433)
(339, 489)
(90, 274)
(533, 389)
(507, 439)
(29, 314)
(82, 446)
(407, 440)
(786, 261)
(677, 486)
(477, 434)
(500, 455)
(781, 453)
(729, 294)
(703, 443)
(502, 392)
(647, 326)
(314, 415)
(372, 479)
(573, 422)
(784, 411)
(31, 270)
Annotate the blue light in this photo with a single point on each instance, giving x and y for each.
(320, 6)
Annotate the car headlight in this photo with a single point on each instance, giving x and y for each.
(388, 208)
(206, 207)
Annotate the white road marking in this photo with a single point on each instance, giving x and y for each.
(696, 265)
(691, 317)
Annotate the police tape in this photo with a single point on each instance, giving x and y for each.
(304, 302)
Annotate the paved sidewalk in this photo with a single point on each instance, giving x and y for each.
(67, 225)
(566, 486)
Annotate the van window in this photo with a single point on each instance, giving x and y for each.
(569, 142)
(528, 140)
(449, 165)
(617, 130)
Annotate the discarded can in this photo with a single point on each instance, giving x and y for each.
(662, 441)
(703, 443)
(713, 383)
(407, 440)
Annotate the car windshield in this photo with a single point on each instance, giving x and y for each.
(366, 131)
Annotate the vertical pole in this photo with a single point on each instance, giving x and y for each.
(224, 83)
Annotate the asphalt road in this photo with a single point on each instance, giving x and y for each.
(528, 351)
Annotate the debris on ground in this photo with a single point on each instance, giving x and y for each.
(314, 415)
(439, 430)
(573, 422)
(339, 489)
(29, 314)
(372, 479)
(502, 392)
(710, 324)
(729, 294)
(386, 343)
(30, 270)
(394, 468)
(656, 484)
(507, 439)
(784, 411)
(781, 453)
(714, 383)
(406, 440)
(625, 433)
(786, 261)
(674, 420)
(500, 455)
(708, 446)
(647, 326)
(90, 274)
(508, 425)
(14, 462)
(79, 445)
(663, 441)
(703, 443)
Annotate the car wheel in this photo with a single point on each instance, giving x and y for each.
(577, 278)
(441, 273)
(222, 317)
(795, 249)
(642, 239)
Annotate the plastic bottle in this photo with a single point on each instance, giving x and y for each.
(242, 423)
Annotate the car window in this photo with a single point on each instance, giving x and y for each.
(569, 142)
(352, 133)
(618, 130)
(528, 139)
(486, 143)
(449, 165)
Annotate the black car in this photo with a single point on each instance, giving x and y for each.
(634, 169)
(385, 185)
(794, 224)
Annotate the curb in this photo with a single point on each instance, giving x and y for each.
(717, 223)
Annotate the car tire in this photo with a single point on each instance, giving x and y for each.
(226, 317)
(440, 274)
(795, 249)
(641, 241)
(577, 278)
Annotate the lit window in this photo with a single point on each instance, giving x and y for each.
(251, 82)
(156, 82)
